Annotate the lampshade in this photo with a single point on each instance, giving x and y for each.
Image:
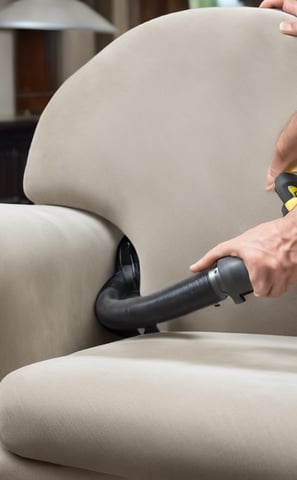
(53, 15)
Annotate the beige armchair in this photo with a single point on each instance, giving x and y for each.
(165, 137)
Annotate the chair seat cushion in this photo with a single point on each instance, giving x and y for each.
(176, 406)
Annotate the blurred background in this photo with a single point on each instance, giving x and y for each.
(42, 42)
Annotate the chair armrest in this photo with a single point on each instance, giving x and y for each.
(53, 262)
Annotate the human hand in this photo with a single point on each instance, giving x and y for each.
(285, 152)
(289, 27)
(269, 252)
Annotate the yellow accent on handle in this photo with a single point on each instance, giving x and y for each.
(293, 190)
(290, 204)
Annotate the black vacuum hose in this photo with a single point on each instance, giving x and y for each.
(119, 305)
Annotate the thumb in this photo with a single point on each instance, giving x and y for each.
(289, 28)
(270, 177)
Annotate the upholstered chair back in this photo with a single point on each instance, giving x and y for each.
(167, 133)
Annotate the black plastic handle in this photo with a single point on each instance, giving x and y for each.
(285, 185)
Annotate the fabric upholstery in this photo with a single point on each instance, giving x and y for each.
(53, 262)
(166, 406)
(168, 134)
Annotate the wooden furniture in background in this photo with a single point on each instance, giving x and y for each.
(15, 139)
(154, 8)
(36, 69)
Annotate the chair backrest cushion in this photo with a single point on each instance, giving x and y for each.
(168, 133)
